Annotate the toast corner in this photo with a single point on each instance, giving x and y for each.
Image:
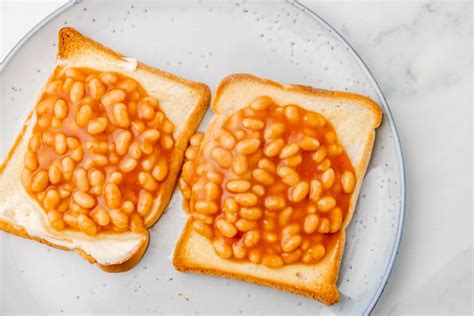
(237, 78)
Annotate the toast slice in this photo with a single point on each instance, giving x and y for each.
(354, 119)
(183, 102)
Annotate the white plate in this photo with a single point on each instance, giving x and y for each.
(204, 41)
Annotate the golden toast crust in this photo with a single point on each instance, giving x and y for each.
(323, 287)
(72, 42)
(298, 88)
(327, 293)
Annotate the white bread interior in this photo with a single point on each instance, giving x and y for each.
(184, 103)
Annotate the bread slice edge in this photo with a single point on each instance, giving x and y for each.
(71, 49)
(138, 243)
(323, 287)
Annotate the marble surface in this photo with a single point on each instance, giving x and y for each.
(13, 28)
(421, 55)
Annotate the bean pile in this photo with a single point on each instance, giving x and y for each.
(98, 153)
(273, 186)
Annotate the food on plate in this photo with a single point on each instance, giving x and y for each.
(97, 160)
(272, 185)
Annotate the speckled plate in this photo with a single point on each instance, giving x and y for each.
(204, 41)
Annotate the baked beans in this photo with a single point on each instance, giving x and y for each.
(272, 188)
(99, 152)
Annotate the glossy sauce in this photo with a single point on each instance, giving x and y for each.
(307, 169)
(102, 144)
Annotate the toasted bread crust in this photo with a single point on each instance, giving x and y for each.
(308, 90)
(121, 267)
(323, 290)
(327, 294)
(69, 42)
(69, 39)
(175, 168)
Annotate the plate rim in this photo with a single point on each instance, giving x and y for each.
(33, 31)
(398, 147)
(297, 4)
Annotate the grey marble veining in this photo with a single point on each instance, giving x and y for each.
(286, 44)
(421, 55)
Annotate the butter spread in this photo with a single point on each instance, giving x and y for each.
(129, 64)
(105, 248)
